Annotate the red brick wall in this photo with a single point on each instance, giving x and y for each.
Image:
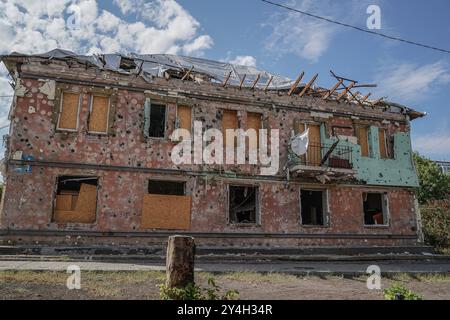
(29, 196)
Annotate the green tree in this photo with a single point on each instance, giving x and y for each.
(434, 185)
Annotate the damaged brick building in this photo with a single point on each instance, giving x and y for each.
(88, 156)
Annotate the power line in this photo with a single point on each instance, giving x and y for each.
(356, 28)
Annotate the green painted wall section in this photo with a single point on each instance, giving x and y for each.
(373, 170)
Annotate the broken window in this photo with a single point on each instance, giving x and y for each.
(99, 114)
(363, 140)
(68, 111)
(157, 120)
(375, 208)
(174, 188)
(184, 117)
(76, 199)
(313, 207)
(390, 146)
(166, 206)
(242, 204)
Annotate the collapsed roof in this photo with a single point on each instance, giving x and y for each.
(149, 66)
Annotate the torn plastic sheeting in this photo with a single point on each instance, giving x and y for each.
(154, 65)
(157, 64)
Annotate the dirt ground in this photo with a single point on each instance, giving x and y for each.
(144, 285)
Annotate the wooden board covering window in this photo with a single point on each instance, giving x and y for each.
(229, 121)
(363, 140)
(254, 122)
(68, 117)
(168, 212)
(77, 207)
(314, 154)
(184, 115)
(382, 143)
(98, 118)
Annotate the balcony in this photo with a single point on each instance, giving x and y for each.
(325, 162)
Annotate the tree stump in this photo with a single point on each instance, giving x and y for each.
(180, 261)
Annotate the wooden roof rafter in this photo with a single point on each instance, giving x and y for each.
(308, 85)
(187, 73)
(295, 84)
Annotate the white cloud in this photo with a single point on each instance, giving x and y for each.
(435, 144)
(107, 21)
(29, 26)
(200, 43)
(5, 102)
(409, 83)
(163, 26)
(244, 61)
(307, 37)
(127, 6)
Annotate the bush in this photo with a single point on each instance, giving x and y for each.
(195, 292)
(434, 185)
(399, 292)
(436, 222)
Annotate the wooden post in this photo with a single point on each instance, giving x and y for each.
(180, 261)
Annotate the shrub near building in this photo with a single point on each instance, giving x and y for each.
(434, 197)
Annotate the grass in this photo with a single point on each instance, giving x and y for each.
(98, 284)
(271, 277)
(139, 277)
(443, 250)
(143, 284)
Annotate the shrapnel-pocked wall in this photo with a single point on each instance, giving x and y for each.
(43, 163)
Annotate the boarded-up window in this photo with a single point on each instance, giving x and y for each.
(76, 199)
(363, 140)
(229, 121)
(98, 118)
(68, 113)
(383, 143)
(166, 206)
(184, 117)
(254, 122)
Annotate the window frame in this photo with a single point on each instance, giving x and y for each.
(191, 129)
(92, 95)
(257, 222)
(384, 207)
(367, 127)
(60, 108)
(166, 115)
(55, 193)
(326, 212)
(184, 182)
(238, 126)
(385, 143)
(306, 125)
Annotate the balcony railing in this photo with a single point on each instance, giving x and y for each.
(325, 155)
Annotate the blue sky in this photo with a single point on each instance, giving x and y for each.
(255, 33)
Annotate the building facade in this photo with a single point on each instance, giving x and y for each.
(444, 166)
(89, 158)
